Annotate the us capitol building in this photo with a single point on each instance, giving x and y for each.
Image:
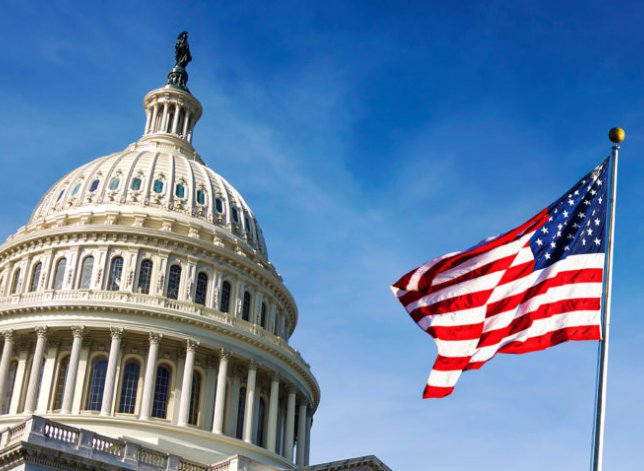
(143, 324)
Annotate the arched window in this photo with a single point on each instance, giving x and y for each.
(246, 306)
(174, 279)
(180, 190)
(59, 273)
(261, 416)
(86, 272)
(94, 186)
(60, 195)
(235, 213)
(8, 392)
(114, 184)
(201, 288)
(193, 416)
(161, 392)
(201, 196)
(63, 367)
(145, 276)
(224, 302)
(241, 410)
(35, 277)
(129, 387)
(262, 316)
(75, 189)
(14, 282)
(158, 185)
(136, 184)
(219, 205)
(116, 270)
(97, 384)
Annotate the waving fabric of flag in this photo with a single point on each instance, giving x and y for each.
(531, 288)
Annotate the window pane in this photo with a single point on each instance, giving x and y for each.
(201, 289)
(136, 184)
(241, 410)
(262, 317)
(180, 190)
(75, 189)
(129, 387)
(14, 283)
(235, 215)
(8, 392)
(161, 390)
(201, 197)
(224, 303)
(246, 306)
(173, 282)
(193, 416)
(97, 384)
(59, 276)
(60, 195)
(116, 270)
(35, 277)
(114, 183)
(86, 272)
(145, 275)
(94, 186)
(219, 205)
(158, 186)
(60, 383)
(261, 413)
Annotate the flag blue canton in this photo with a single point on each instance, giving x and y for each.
(577, 222)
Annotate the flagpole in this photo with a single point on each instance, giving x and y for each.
(616, 135)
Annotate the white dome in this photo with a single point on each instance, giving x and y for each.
(154, 177)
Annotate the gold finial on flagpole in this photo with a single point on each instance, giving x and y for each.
(616, 135)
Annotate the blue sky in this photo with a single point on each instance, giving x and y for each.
(369, 137)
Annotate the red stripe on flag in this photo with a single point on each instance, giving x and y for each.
(586, 275)
(523, 322)
(582, 332)
(458, 332)
(450, 363)
(436, 391)
(464, 301)
(426, 280)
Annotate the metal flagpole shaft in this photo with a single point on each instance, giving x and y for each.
(616, 135)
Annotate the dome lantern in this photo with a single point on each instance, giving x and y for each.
(172, 111)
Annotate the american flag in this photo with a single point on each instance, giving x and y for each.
(531, 288)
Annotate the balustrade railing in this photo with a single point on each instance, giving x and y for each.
(60, 432)
(38, 297)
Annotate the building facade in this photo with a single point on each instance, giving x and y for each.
(138, 303)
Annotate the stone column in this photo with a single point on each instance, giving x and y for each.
(290, 426)
(301, 434)
(186, 385)
(272, 414)
(155, 118)
(72, 369)
(250, 402)
(175, 121)
(5, 361)
(148, 117)
(148, 381)
(110, 374)
(36, 365)
(309, 422)
(164, 118)
(220, 397)
(186, 120)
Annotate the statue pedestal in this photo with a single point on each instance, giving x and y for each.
(178, 77)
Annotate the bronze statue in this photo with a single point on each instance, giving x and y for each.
(182, 50)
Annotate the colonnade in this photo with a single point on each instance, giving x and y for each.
(284, 428)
